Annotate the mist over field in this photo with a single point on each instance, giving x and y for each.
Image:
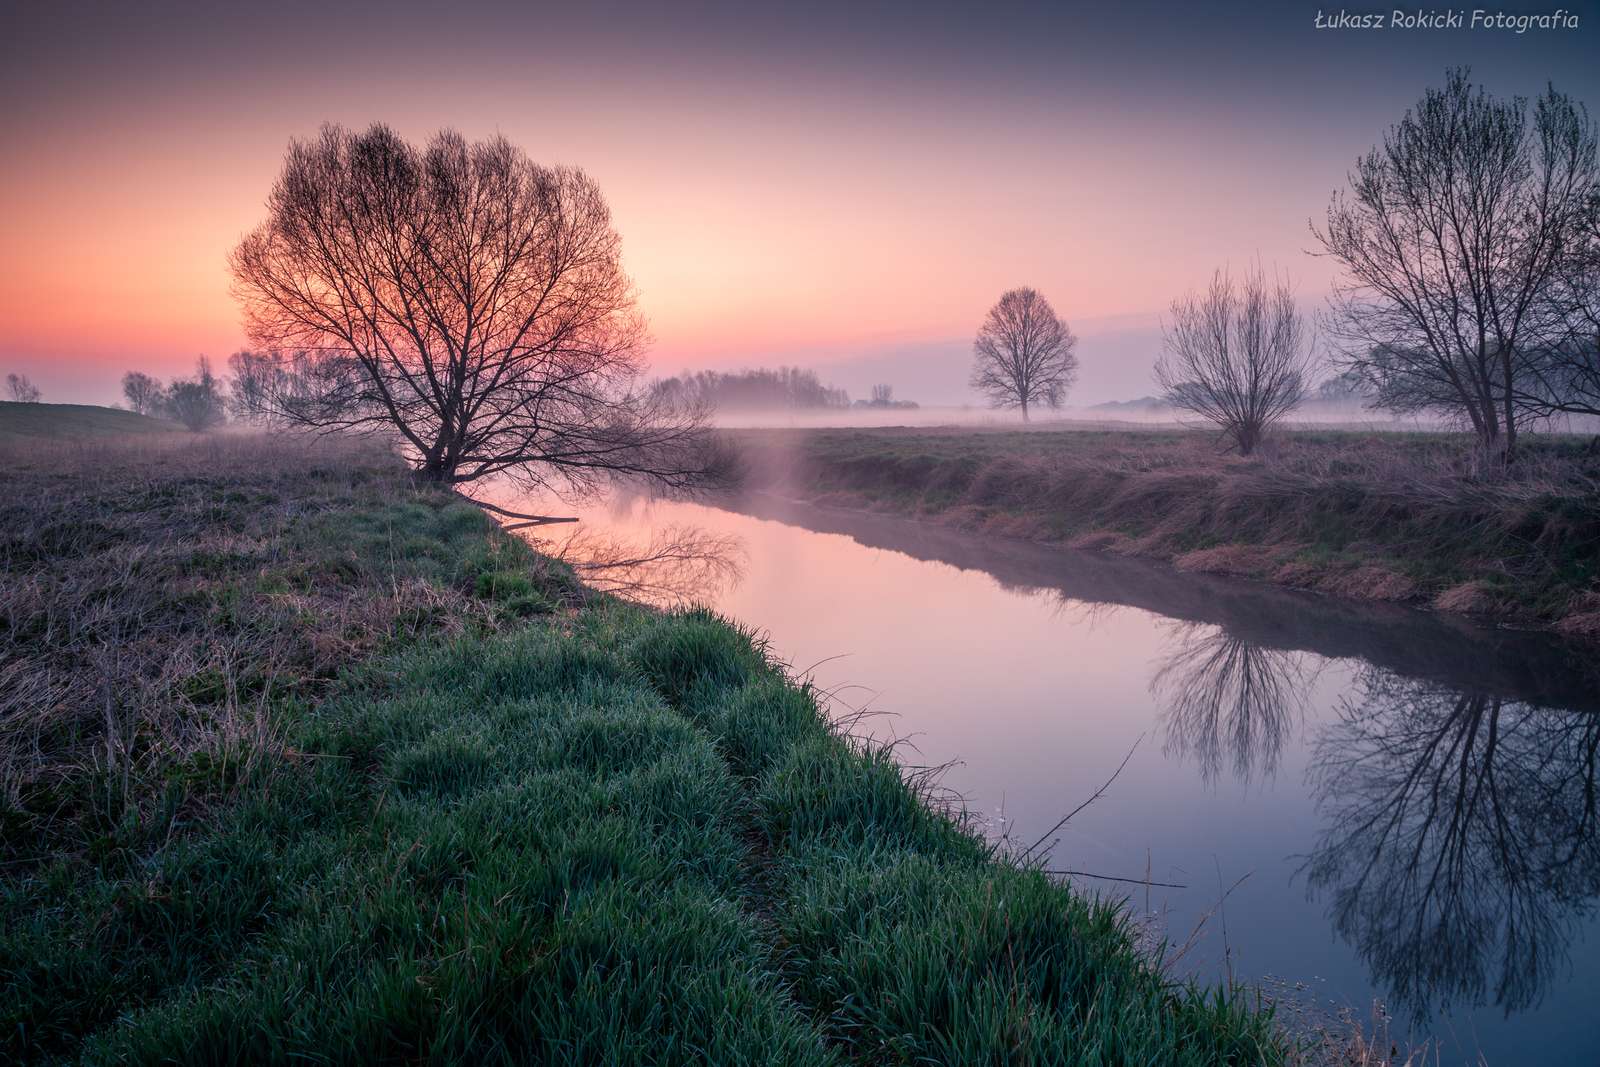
(799, 535)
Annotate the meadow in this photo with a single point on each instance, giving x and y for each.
(1370, 515)
(303, 762)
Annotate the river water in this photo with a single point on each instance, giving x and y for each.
(1349, 802)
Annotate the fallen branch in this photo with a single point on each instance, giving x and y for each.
(1114, 878)
(1097, 795)
(527, 520)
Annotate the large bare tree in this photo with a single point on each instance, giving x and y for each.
(466, 299)
(1238, 355)
(1024, 353)
(1452, 234)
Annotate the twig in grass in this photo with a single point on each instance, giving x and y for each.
(1145, 881)
(1194, 934)
(1098, 793)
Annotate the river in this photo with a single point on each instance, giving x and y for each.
(1349, 802)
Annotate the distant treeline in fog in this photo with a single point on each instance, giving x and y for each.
(785, 387)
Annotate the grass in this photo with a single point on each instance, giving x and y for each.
(28, 422)
(438, 803)
(1369, 515)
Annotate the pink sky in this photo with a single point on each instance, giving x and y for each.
(850, 194)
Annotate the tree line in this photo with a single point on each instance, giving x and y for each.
(1469, 289)
(200, 403)
(471, 303)
(746, 390)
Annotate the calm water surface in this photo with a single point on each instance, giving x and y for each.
(1406, 807)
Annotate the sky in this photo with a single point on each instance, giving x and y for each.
(847, 187)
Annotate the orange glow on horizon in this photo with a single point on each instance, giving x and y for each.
(767, 205)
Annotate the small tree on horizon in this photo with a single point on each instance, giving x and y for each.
(143, 393)
(1238, 355)
(197, 402)
(1024, 353)
(22, 390)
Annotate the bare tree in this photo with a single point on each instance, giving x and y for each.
(1565, 365)
(197, 402)
(1024, 353)
(143, 393)
(677, 566)
(1451, 236)
(1228, 698)
(1238, 355)
(22, 390)
(466, 299)
(882, 396)
(1462, 846)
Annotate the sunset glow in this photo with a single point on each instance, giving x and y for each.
(806, 188)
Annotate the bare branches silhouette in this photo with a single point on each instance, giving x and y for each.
(1463, 840)
(1454, 237)
(463, 299)
(1229, 702)
(677, 566)
(1237, 355)
(1023, 353)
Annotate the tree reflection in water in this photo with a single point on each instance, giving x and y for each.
(1462, 845)
(1228, 701)
(677, 565)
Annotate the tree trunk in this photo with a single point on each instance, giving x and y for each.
(435, 472)
(1024, 409)
(1246, 439)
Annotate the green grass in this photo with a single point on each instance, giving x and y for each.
(587, 834)
(1376, 515)
(75, 421)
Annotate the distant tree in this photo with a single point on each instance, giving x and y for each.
(1453, 237)
(1238, 355)
(882, 396)
(465, 299)
(22, 390)
(258, 382)
(1564, 373)
(1024, 353)
(197, 402)
(1346, 387)
(143, 393)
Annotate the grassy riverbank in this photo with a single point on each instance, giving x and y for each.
(1368, 515)
(302, 762)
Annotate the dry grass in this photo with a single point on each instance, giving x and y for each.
(1388, 516)
(160, 596)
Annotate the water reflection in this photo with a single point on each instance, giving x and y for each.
(1461, 845)
(671, 567)
(1228, 700)
(1421, 823)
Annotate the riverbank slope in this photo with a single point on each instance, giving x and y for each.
(1367, 515)
(301, 761)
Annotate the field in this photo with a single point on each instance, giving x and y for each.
(304, 763)
(1370, 515)
(28, 422)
